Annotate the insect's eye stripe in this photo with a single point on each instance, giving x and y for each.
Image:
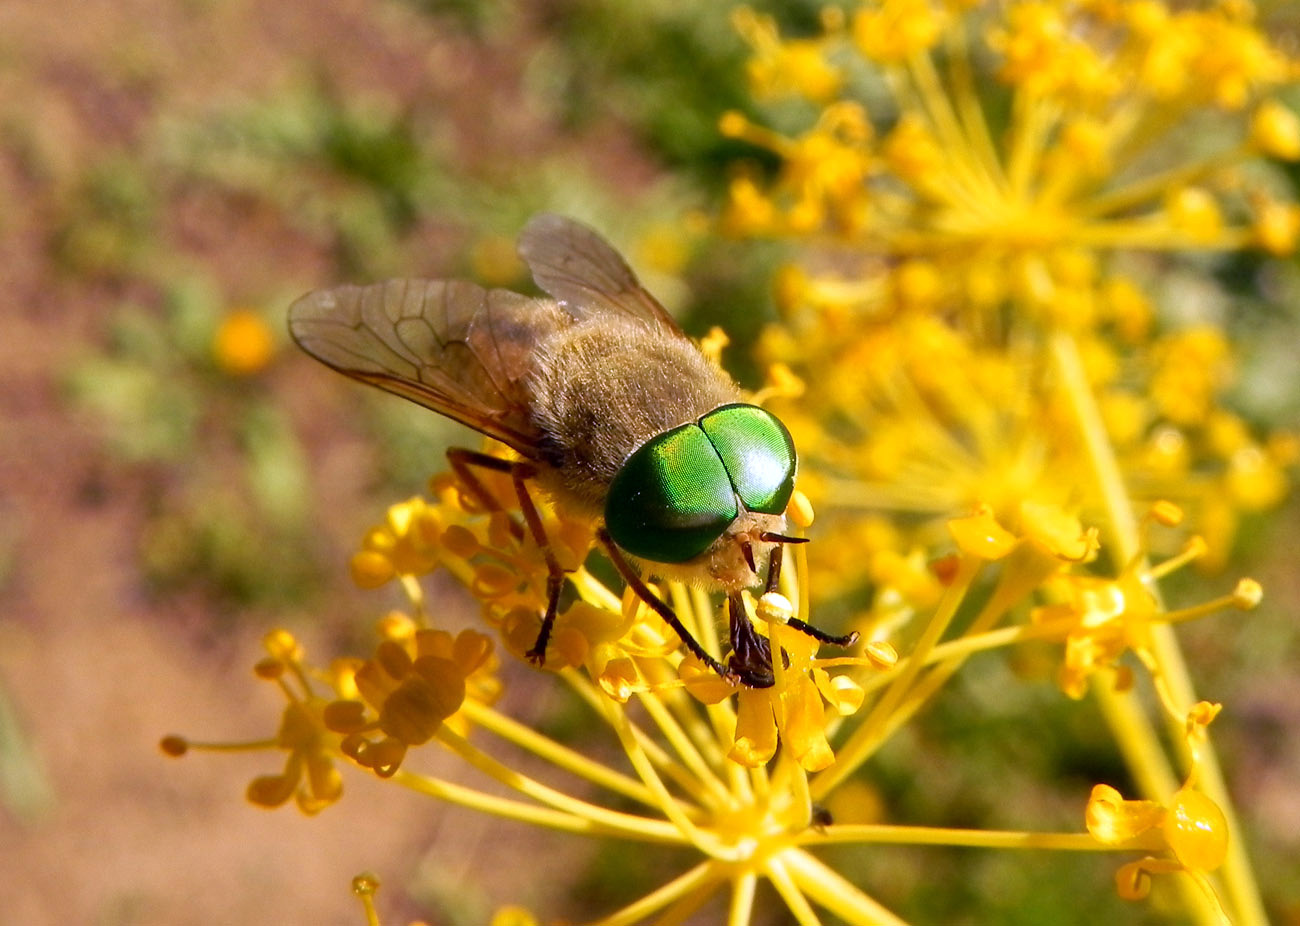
(672, 498)
(758, 453)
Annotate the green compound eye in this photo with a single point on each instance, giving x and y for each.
(758, 453)
(672, 498)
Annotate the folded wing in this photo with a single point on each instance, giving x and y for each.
(451, 346)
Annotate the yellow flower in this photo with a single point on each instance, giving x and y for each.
(513, 916)
(1189, 830)
(780, 68)
(411, 687)
(895, 30)
(791, 712)
(406, 544)
(309, 775)
(243, 343)
(990, 209)
(984, 385)
(1100, 619)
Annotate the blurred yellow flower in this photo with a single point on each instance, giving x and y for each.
(243, 343)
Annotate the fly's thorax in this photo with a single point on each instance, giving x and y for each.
(603, 387)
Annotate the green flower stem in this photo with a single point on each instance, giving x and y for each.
(1238, 874)
(978, 177)
(876, 726)
(593, 591)
(599, 702)
(558, 755)
(966, 97)
(709, 788)
(415, 593)
(829, 888)
(790, 892)
(684, 885)
(1032, 124)
(880, 834)
(676, 815)
(1151, 188)
(1137, 739)
(507, 808)
(741, 911)
(629, 826)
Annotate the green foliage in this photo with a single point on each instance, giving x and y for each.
(106, 221)
(230, 512)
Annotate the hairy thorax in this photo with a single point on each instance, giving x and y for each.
(601, 388)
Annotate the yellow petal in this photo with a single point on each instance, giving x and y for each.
(980, 535)
(755, 729)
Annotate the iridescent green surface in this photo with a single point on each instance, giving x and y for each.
(758, 453)
(677, 492)
(672, 498)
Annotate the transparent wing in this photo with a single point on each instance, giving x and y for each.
(451, 346)
(584, 272)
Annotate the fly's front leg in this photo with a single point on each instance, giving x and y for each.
(461, 461)
(658, 606)
(751, 653)
(774, 560)
(774, 579)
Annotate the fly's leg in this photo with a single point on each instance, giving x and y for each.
(751, 653)
(774, 560)
(774, 579)
(847, 639)
(658, 606)
(461, 461)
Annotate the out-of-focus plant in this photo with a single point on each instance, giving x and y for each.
(179, 393)
(1007, 364)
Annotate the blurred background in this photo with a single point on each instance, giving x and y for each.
(176, 479)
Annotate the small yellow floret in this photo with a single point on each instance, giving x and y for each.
(1166, 513)
(283, 645)
(1275, 131)
(1247, 594)
(1196, 830)
(365, 884)
(882, 655)
(370, 569)
(243, 343)
(1277, 226)
(980, 535)
(1194, 212)
(513, 916)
